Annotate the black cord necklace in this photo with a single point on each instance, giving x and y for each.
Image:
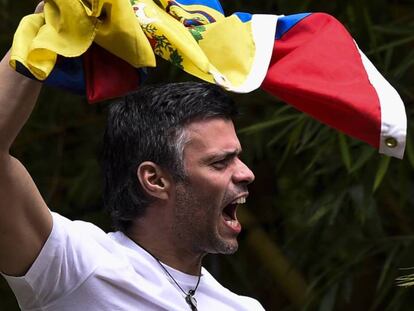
(189, 297)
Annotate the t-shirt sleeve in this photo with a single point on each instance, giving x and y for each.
(67, 259)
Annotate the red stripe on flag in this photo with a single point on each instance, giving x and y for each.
(107, 76)
(317, 68)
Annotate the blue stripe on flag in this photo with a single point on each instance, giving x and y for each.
(68, 74)
(244, 17)
(285, 23)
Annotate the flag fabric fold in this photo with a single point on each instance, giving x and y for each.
(101, 48)
(318, 68)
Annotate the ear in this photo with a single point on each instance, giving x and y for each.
(154, 180)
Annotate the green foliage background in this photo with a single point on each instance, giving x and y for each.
(338, 214)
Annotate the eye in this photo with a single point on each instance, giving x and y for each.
(221, 164)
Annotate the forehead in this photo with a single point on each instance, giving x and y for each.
(211, 136)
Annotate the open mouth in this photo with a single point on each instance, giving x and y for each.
(230, 214)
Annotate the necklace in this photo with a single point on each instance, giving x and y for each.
(189, 297)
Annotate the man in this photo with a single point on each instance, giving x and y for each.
(173, 181)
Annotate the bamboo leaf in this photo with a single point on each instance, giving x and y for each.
(267, 124)
(282, 133)
(312, 134)
(362, 159)
(293, 139)
(404, 65)
(328, 301)
(345, 153)
(391, 45)
(320, 213)
(394, 30)
(386, 266)
(410, 152)
(281, 110)
(382, 170)
(336, 207)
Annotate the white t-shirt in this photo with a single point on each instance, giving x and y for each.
(83, 268)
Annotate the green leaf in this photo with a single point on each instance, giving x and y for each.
(404, 64)
(345, 153)
(410, 152)
(391, 45)
(386, 267)
(382, 170)
(320, 213)
(363, 158)
(281, 110)
(312, 134)
(328, 301)
(280, 134)
(267, 124)
(394, 30)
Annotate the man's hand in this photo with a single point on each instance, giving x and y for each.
(25, 220)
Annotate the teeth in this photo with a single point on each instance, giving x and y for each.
(241, 200)
(232, 223)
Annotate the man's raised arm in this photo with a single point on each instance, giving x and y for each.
(25, 221)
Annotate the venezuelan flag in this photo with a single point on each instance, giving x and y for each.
(102, 49)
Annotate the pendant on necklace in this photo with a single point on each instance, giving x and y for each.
(192, 302)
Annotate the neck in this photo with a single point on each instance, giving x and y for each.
(165, 248)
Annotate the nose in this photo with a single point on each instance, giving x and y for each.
(242, 174)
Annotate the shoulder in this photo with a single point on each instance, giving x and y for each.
(75, 225)
(86, 235)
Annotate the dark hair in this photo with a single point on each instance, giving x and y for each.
(149, 125)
